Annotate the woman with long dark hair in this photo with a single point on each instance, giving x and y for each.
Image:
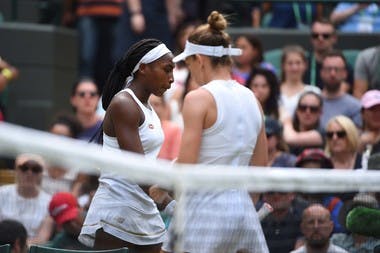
(304, 130)
(265, 85)
(121, 213)
(252, 57)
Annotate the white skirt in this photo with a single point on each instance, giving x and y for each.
(114, 213)
(219, 222)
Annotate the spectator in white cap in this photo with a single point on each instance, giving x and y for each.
(371, 123)
(25, 201)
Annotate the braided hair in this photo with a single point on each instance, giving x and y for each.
(124, 67)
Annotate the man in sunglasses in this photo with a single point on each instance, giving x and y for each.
(323, 38)
(25, 202)
(335, 100)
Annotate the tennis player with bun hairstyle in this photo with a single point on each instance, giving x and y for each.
(121, 213)
(223, 124)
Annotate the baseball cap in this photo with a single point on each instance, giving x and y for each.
(63, 207)
(314, 154)
(370, 98)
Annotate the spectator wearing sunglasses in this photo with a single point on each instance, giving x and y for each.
(304, 130)
(335, 100)
(84, 99)
(342, 142)
(323, 38)
(25, 201)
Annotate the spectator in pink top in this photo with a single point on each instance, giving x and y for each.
(172, 131)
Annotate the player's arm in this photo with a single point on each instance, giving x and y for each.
(194, 114)
(260, 152)
(126, 117)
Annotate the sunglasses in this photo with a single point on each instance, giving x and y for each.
(312, 108)
(82, 94)
(35, 168)
(339, 134)
(336, 69)
(325, 36)
(279, 193)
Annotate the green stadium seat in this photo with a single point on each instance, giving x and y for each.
(273, 56)
(6, 248)
(351, 55)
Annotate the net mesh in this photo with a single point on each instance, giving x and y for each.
(218, 192)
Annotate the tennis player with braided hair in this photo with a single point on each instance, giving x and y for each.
(121, 213)
(223, 124)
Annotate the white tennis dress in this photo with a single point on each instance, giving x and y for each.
(121, 207)
(224, 221)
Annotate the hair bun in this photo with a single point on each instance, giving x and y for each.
(217, 21)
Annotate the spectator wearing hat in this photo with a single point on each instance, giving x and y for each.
(314, 158)
(66, 213)
(25, 201)
(371, 123)
(278, 150)
(355, 243)
(14, 233)
(317, 159)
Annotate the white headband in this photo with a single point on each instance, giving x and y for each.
(149, 57)
(218, 51)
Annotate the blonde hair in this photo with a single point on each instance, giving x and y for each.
(213, 34)
(349, 127)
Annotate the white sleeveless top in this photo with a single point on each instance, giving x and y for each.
(231, 141)
(151, 136)
(232, 138)
(120, 206)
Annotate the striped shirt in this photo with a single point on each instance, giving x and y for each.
(106, 8)
(29, 211)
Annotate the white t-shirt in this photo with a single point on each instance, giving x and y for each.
(29, 211)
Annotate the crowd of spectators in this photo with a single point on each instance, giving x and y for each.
(320, 112)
